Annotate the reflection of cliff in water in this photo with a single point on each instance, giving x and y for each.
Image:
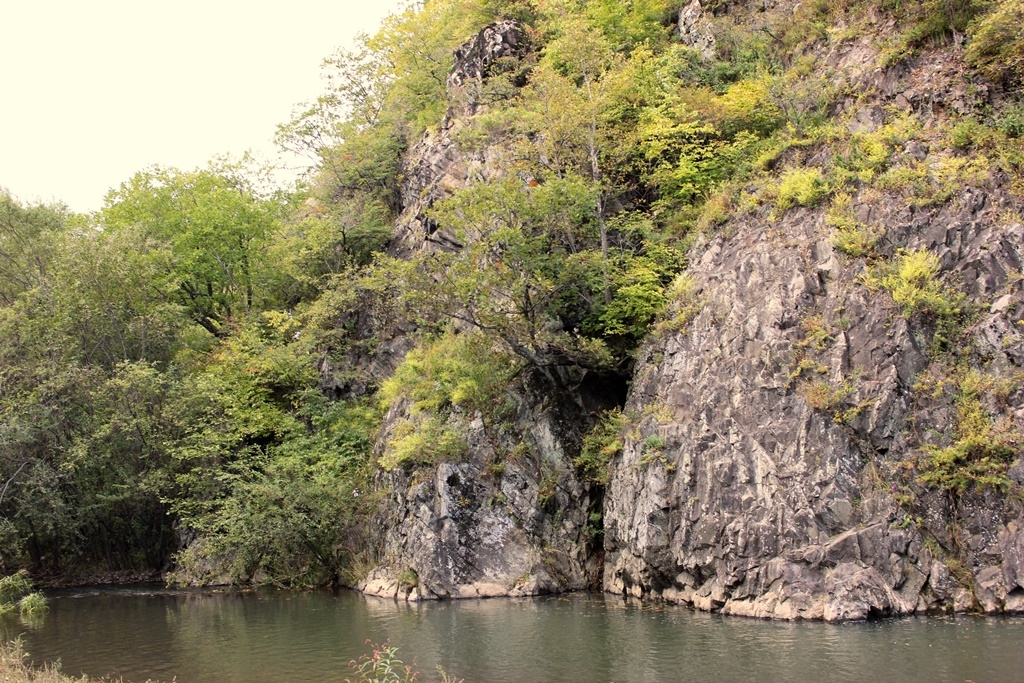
(256, 636)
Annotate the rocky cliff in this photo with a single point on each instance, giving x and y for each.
(799, 440)
(742, 493)
(512, 517)
(782, 435)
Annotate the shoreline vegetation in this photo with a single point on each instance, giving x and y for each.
(16, 667)
(17, 593)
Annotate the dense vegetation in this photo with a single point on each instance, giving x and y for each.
(184, 375)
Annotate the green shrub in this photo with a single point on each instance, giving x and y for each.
(1011, 122)
(683, 306)
(639, 297)
(997, 42)
(800, 186)
(453, 370)
(913, 281)
(821, 395)
(602, 443)
(424, 440)
(16, 592)
(981, 452)
(13, 587)
(935, 19)
(33, 603)
(936, 181)
(851, 237)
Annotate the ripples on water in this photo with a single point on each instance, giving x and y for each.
(209, 636)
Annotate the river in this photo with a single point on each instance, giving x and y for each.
(263, 636)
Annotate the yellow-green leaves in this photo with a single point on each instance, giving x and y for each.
(800, 186)
(997, 44)
(216, 222)
(913, 281)
(982, 448)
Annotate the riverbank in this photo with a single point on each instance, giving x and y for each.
(98, 578)
(15, 668)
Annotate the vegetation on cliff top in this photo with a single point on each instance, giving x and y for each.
(190, 364)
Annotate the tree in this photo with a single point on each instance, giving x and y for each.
(26, 234)
(569, 95)
(216, 224)
(522, 274)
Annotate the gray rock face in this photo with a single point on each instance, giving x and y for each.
(695, 30)
(437, 165)
(491, 525)
(475, 60)
(771, 468)
(764, 474)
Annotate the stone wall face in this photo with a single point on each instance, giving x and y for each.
(755, 502)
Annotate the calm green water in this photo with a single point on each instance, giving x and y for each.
(203, 636)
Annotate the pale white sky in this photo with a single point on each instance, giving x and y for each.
(95, 90)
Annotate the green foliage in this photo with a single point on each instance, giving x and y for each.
(382, 665)
(631, 23)
(33, 603)
(913, 281)
(275, 500)
(683, 306)
(417, 46)
(823, 396)
(982, 450)
(641, 292)
(27, 235)
(694, 140)
(602, 443)
(422, 440)
(935, 19)
(996, 47)
(800, 186)
(936, 181)
(80, 419)
(216, 226)
(851, 238)
(13, 588)
(866, 155)
(463, 370)
(523, 276)
(1011, 121)
(16, 593)
(983, 143)
(817, 333)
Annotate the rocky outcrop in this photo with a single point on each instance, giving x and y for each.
(438, 164)
(772, 465)
(434, 168)
(511, 519)
(695, 30)
(741, 493)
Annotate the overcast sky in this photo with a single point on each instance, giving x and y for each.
(95, 90)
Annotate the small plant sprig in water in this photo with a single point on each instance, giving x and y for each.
(382, 665)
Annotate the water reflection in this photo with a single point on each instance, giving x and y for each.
(202, 636)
